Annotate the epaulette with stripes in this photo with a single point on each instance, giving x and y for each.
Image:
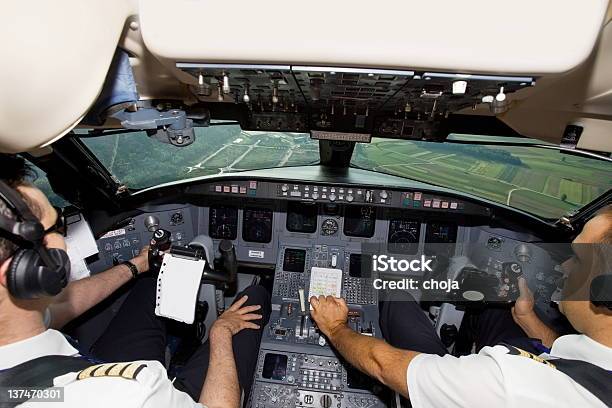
(129, 371)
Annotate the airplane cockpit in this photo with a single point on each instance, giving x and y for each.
(349, 162)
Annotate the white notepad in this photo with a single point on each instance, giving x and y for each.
(178, 284)
(325, 281)
(80, 244)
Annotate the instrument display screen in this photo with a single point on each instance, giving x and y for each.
(294, 260)
(359, 221)
(274, 367)
(223, 223)
(302, 217)
(257, 225)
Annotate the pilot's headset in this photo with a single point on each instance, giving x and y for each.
(35, 270)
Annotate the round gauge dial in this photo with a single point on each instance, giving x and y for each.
(329, 227)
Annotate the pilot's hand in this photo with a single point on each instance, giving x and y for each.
(54, 240)
(142, 260)
(236, 318)
(329, 313)
(523, 308)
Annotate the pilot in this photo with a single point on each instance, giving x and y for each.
(34, 268)
(575, 372)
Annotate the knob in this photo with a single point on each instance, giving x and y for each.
(383, 194)
(284, 188)
(332, 197)
(326, 401)
(350, 198)
(523, 253)
(151, 222)
(315, 196)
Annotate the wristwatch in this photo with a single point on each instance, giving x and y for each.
(132, 268)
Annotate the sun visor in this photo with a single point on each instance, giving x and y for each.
(55, 58)
(119, 89)
(518, 37)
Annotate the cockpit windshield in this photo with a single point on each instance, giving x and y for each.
(542, 181)
(139, 161)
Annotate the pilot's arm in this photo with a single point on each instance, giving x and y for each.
(370, 355)
(221, 387)
(81, 295)
(427, 379)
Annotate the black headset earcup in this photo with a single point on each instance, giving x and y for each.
(29, 278)
(11, 273)
(62, 271)
(22, 282)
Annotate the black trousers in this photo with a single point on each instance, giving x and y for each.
(404, 325)
(136, 333)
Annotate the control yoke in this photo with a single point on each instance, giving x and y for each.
(220, 272)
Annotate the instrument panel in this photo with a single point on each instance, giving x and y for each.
(404, 232)
(270, 212)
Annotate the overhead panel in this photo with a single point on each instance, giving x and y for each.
(270, 93)
(390, 103)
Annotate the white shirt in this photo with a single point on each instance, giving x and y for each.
(493, 378)
(150, 389)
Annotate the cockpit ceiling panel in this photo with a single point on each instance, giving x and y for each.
(520, 37)
(326, 92)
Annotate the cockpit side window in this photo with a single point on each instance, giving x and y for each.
(42, 182)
